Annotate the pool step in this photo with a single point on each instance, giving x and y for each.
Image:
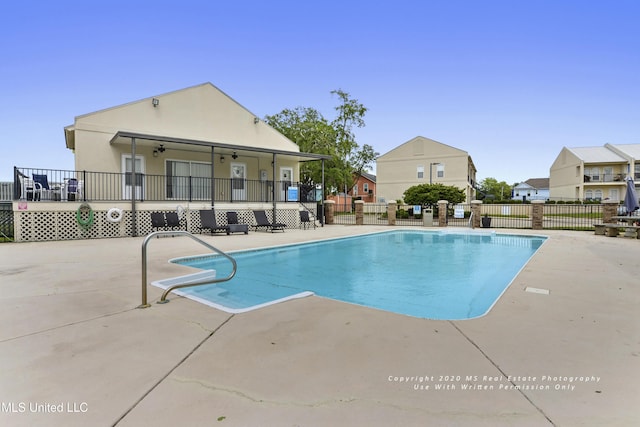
(186, 279)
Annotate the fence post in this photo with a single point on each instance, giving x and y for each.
(391, 212)
(537, 214)
(329, 208)
(359, 212)
(609, 210)
(442, 213)
(476, 211)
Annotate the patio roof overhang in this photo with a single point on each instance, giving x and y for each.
(219, 148)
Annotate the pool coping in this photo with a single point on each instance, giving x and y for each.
(72, 336)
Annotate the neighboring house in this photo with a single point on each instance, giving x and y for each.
(532, 189)
(422, 161)
(365, 188)
(198, 132)
(594, 173)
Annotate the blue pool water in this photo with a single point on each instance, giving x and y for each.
(436, 275)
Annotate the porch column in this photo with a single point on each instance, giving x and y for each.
(442, 213)
(329, 211)
(134, 213)
(213, 177)
(322, 198)
(273, 186)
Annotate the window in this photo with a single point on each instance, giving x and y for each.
(608, 174)
(613, 194)
(597, 194)
(186, 179)
(355, 190)
(588, 194)
(365, 187)
(420, 172)
(636, 171)
(440, 171)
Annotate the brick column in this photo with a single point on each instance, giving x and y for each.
(609, 209)
(359, 212)
(442, 213)
(537, 214)
(391, 212)
(476, 211)
(329, 209)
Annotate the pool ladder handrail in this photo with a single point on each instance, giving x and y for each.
(471, 220)
(163, 299)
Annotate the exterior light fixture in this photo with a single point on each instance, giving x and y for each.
(155, 102)
(155, 153)
(221, 159)
(256, 120)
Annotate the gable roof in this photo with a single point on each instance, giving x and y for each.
(538, 183)
(630, 150)
(197, 113)
(596, 155)
(368, 176)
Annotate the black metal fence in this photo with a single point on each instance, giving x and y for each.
(514, 216)
(54, 185)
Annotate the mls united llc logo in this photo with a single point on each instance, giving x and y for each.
(43, 407)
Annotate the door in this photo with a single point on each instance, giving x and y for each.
(139, 181)
(286, 175)
(238, 181)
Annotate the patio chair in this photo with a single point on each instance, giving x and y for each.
(72, 189)
(208, 221)
(305, 220)
(44, 192)
(31, 190)
(172, 220)
(263, 222)
(234, 226)
(157, 221)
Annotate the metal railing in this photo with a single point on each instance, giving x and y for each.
(207, 280)
(568, 216)
(107, 186)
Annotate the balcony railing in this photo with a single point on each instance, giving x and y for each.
(106, 186)
(613, 177)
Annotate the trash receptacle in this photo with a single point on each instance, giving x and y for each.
(427, 217)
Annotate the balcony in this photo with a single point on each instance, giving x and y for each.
(616, 178)
(68, 185)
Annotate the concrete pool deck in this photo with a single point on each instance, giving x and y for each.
(75, 350)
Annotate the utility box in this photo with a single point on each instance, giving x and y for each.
(427, 216)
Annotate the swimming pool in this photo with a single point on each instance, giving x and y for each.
(427, 274)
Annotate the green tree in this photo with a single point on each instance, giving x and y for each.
(491, 188)
(429, 194)
(313, 133)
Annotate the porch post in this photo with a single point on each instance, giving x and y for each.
(273, 186)
(134, 219)
(322, 198)
(213, 176)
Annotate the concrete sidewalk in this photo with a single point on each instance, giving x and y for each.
(75, 350)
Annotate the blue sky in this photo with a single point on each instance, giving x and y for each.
(510, 82)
